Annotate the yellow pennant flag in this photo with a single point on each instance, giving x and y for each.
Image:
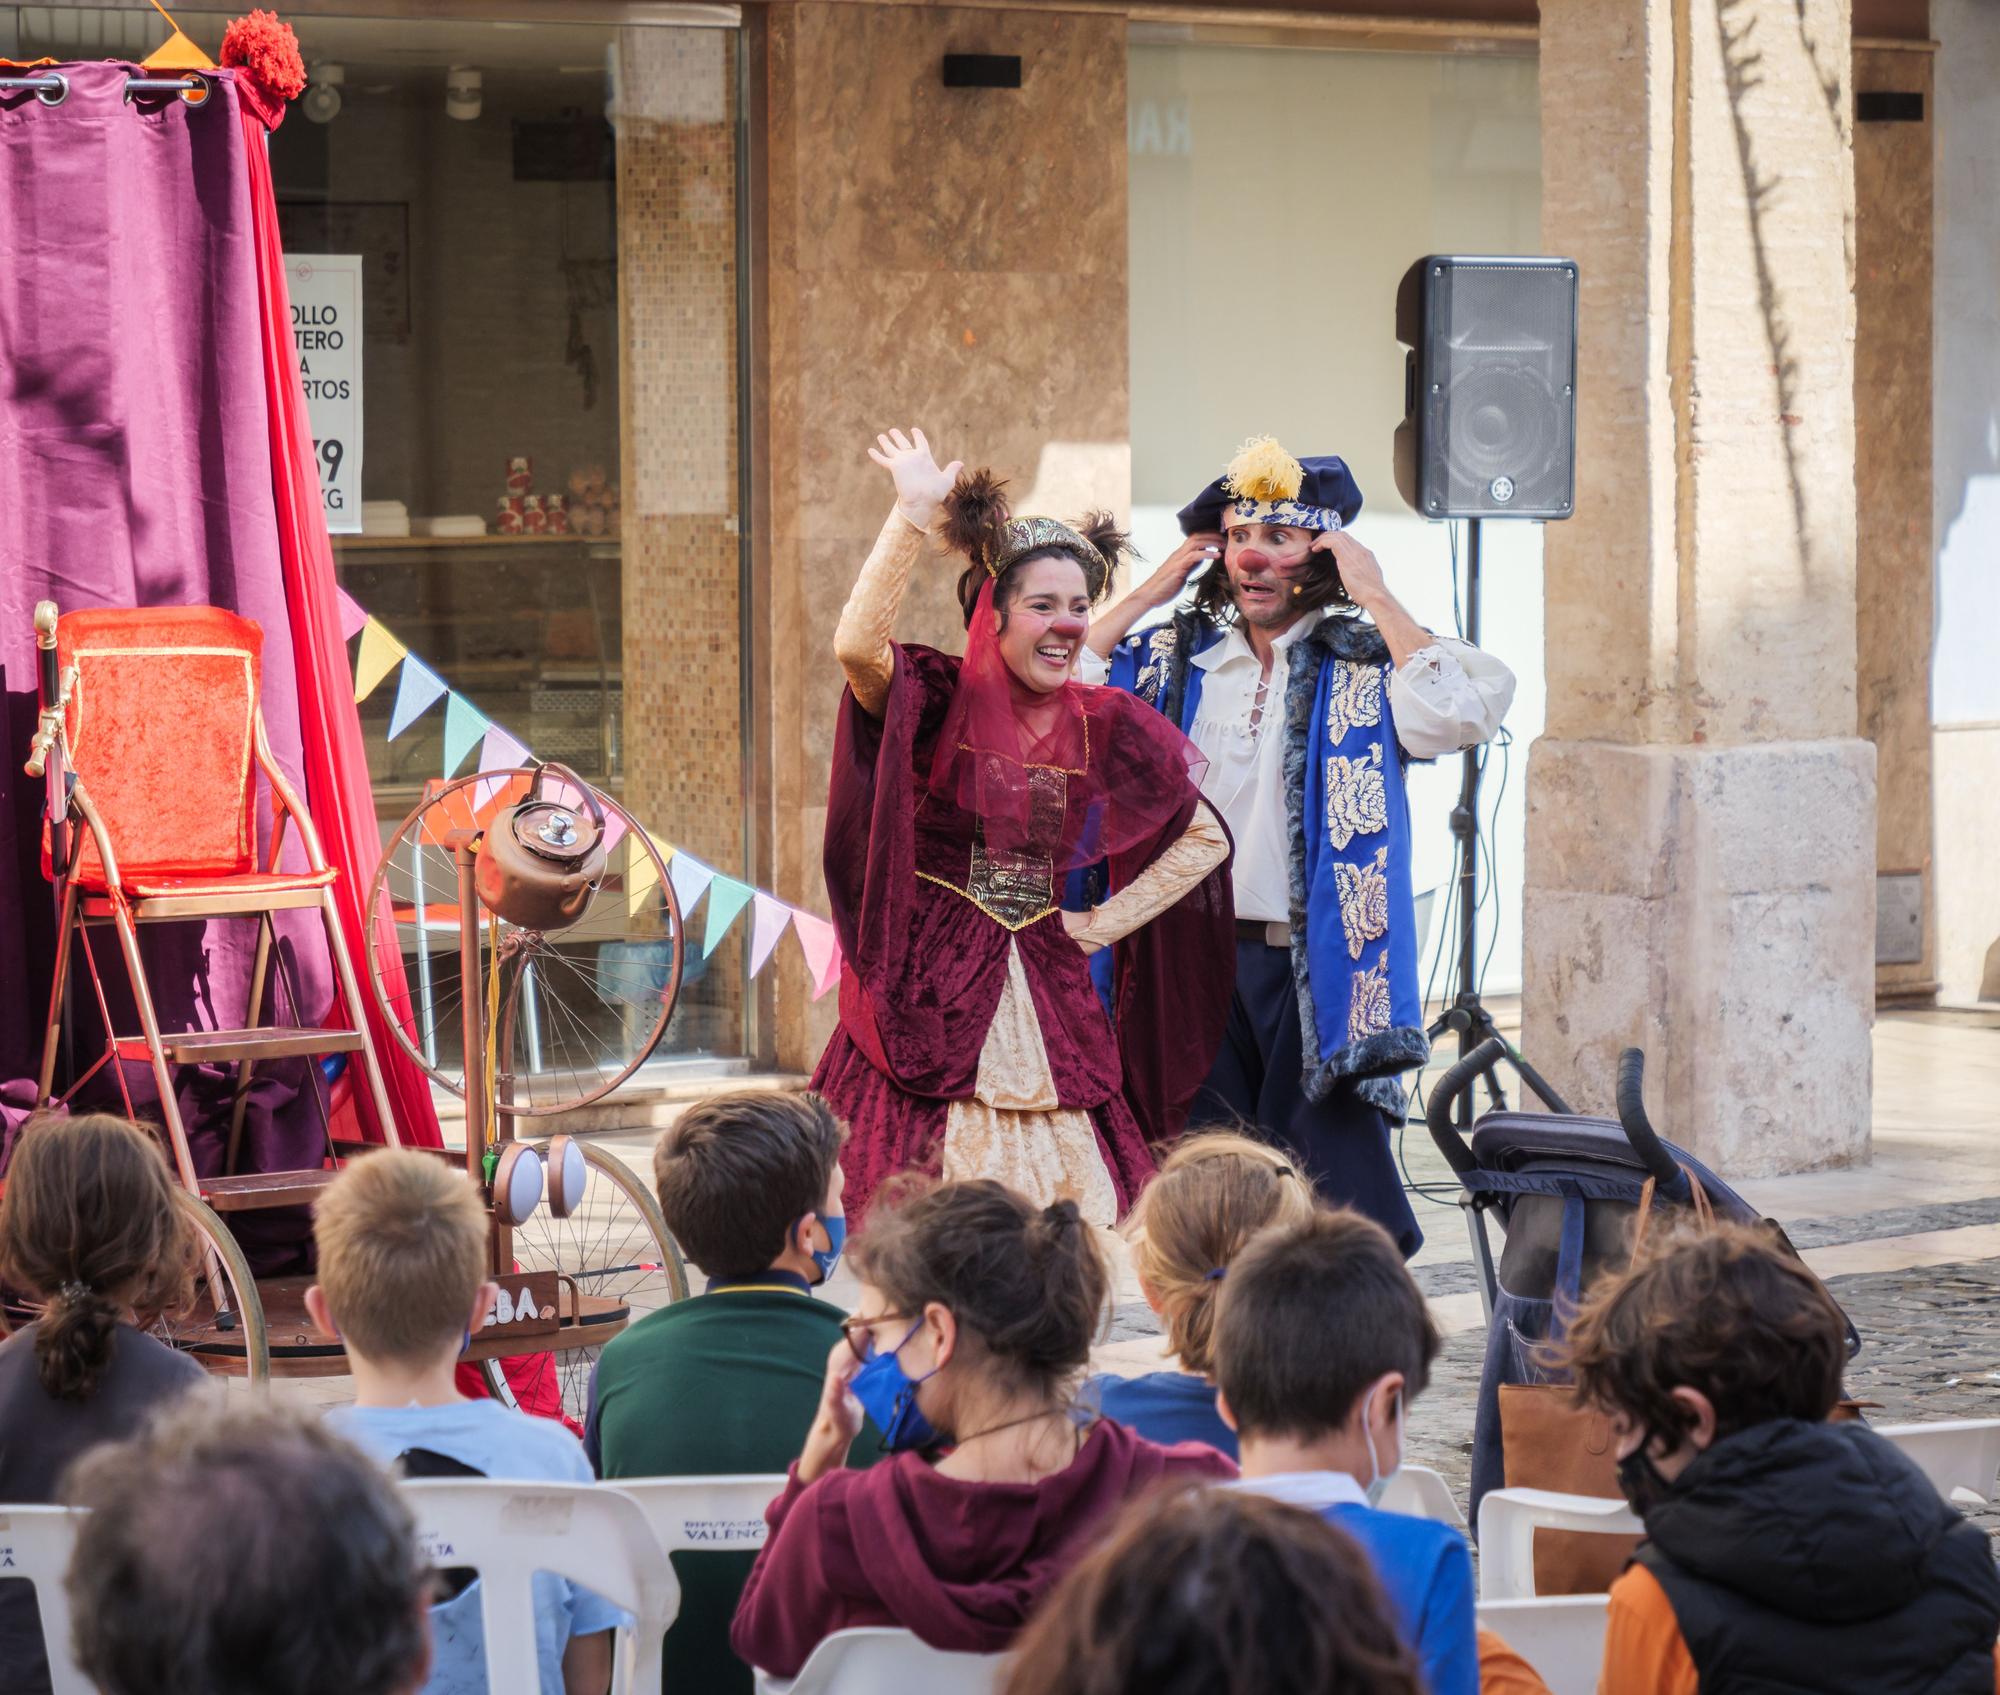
(641, 874)
(380, 654)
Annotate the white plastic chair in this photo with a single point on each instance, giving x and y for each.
(1508, 1520)
(705, 1514)
(879, 1661)
(1561, 1636)
(1959, 1455)
(509, 1531)
(1422, 1493)
(36, 1543)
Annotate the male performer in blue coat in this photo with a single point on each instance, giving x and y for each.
(1308, 713)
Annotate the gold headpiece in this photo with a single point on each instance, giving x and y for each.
(1023, 536)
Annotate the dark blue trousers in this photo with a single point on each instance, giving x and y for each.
(1342, 1142)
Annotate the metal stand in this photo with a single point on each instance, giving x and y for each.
(1466, 1014)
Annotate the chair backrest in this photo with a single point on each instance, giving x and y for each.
(1422, 1493)
(1509, 1518)
(1561, 1636)
(1960, 1456)
(507, 1532)
(877, 1661)
(162, 729)
(36, 1543)
(705, 1514)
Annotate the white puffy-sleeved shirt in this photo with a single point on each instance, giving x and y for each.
(1444, 697)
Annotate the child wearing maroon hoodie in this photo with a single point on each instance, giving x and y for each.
(973, 1325)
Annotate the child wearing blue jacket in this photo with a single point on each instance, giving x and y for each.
(1321, 1339)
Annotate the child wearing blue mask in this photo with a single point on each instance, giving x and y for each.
(970, 1335)
(728, 1382)
(1321, 1340)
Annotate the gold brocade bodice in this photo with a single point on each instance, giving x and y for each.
(1014, 886)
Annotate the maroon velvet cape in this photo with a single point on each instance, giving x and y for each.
(923, 967)
(962, 1565)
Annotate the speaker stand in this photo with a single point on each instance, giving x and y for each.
(1467, 1015)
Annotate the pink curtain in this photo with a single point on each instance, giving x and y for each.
(336, 760)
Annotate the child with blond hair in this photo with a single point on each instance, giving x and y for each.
(404, 1252)
(1212, 1194)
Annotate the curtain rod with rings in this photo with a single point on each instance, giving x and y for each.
(52, 87)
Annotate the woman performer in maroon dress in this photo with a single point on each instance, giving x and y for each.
(965, 792)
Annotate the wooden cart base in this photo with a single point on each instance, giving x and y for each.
(298, 1349)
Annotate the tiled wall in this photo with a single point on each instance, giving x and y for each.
(675, 110)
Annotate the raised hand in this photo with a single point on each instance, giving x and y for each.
(920, 485)
(838, 1420)
(1204, 547)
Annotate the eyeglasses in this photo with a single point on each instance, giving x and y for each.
(860, 1332)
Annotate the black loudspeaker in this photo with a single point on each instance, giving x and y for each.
(1489, 408)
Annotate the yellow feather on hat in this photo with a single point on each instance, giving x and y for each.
(1262, 470)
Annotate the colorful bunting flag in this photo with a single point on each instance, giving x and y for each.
(501, 754)
(352, 616)
(416, 691)
(821, 948)
(726, 899)
(498, 753)
(767, 924)
(464, 726)
(690, 879)
(380, 654)
(642, 875)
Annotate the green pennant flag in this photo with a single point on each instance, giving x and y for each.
(465, 728)
(726, 899)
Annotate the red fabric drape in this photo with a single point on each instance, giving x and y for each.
(336, 760)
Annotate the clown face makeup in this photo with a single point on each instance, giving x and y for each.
(1264, 562)
(1044, 621)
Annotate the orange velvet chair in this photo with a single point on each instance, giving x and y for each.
(152, 749)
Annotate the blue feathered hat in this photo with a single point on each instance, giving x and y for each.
(1266, 485)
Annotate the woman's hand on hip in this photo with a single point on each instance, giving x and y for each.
(920, 485)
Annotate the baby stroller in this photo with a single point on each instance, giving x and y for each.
(1566, 1188)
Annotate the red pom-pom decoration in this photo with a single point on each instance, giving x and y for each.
(267, 52)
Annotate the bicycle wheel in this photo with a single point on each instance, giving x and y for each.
(223, 1327)
(616, 1247)
(585, 1006)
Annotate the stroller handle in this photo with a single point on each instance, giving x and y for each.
(1437, 1114)
(1639, 1128)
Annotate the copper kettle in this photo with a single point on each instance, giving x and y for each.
(540, 861)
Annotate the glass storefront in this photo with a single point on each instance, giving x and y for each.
(547, 227)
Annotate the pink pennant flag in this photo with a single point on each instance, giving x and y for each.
(821, 948)
(501, 753)
(769, 916)
(614, 828)
(352, 614)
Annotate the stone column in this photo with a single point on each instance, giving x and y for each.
(1701, 832)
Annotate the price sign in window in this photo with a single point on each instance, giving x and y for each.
(326, 330)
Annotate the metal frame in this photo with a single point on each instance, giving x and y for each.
(125, 913)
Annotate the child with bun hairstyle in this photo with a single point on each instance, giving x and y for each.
(1212, 1194)
(90, 1232)
(972, 1326)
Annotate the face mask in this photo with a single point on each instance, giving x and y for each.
(1640, 1480)
(836, 1238)
(888, 1395)
(1379, 1484)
